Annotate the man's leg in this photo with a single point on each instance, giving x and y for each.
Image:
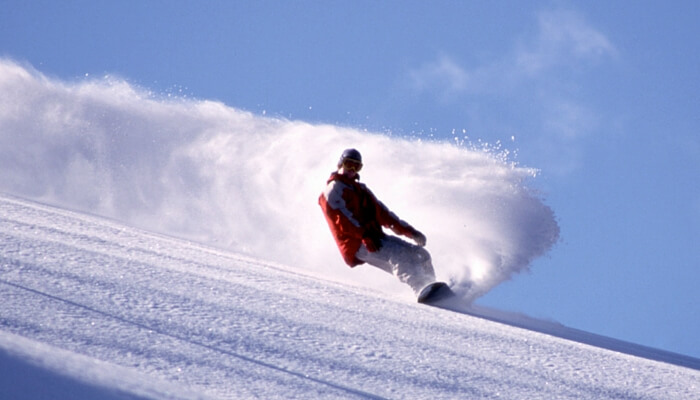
(410, 263)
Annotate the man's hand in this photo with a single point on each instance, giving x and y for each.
(373, 242)
(419, 238)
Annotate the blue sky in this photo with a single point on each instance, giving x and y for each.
(601, 96)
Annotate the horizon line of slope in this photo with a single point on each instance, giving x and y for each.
(238, 306)
(562, 331)
(510, 318)
(514, 319)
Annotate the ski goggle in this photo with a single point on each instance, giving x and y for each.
(352, 165)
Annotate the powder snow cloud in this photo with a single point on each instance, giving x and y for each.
(208, 172)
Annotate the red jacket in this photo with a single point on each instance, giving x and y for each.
(354, 214)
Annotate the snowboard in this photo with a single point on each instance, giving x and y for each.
(434, 292)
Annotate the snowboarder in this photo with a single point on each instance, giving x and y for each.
(356, 217)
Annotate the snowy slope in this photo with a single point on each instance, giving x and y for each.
(92, 308)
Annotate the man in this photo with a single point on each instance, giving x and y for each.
(356, 217)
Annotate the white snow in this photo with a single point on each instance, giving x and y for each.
(95, 309)
(154, 248)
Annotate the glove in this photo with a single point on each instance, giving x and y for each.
(419, 238)
(373, 242)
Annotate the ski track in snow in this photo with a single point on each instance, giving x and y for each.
(198, 322)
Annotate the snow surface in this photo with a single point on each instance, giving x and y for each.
(94, 309)
(187, 258)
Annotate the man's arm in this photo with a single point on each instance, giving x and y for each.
(344, 219)
(390, 220)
